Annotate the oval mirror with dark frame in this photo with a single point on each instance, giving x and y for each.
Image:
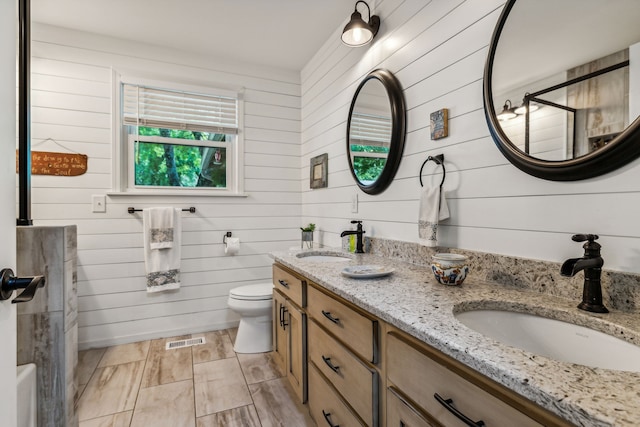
(562, 86)
(376, 131)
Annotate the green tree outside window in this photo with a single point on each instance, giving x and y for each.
(179, 165)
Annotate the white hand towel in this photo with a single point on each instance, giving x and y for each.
(160, 226)
(433, 208)
(162, 265)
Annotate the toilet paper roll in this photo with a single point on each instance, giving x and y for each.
(232, 246)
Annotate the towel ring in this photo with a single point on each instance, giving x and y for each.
(439, 159)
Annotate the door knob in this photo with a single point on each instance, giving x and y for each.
(10, 283)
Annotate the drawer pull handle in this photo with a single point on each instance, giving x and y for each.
(334, 368)
(448, 404)
(327, 417)
(284, 283)
(328, 315)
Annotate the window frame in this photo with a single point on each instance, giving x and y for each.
(123, 182)
(133, 138)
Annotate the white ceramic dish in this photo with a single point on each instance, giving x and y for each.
(366, 271)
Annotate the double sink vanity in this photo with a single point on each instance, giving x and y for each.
(405, 350)
(508, 347)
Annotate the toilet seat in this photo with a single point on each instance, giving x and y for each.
(259, 292)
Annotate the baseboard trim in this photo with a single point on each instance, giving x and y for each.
(126, 339)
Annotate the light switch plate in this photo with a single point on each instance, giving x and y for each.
(354, 203)
(99, 203)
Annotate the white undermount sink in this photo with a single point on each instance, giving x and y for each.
(322, 257)
(554, 339)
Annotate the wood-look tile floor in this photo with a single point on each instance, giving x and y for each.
(142, 384)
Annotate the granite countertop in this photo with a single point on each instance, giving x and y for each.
(414, 302)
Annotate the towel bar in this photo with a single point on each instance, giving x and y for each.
(439, 159)
(132, 210)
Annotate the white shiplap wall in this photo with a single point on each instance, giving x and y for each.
(437, 49)
(71, 101)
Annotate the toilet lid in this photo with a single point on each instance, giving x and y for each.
(260, 291)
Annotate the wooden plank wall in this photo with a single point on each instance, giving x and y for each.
(437, 49)
(71, 100)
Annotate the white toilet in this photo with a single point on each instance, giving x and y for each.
(253, 303)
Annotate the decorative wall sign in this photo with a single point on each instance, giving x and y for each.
(57, 164)
(318, 173)
(440, 124)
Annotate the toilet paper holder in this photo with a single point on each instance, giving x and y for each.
(224, 238)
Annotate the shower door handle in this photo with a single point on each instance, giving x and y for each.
(10, 283)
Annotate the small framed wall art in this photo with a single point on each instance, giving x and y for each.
(318, 171)
(440, 124)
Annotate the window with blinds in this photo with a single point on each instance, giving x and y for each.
(369, 141)
(161, 108)
(368, 129)
(179, 140)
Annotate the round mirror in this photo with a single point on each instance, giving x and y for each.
(562, 86)
(375, 131)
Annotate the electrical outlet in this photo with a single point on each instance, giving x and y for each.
(99, 203)
(354, 203)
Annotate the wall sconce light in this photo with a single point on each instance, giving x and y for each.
(357, 32)
(507, 112)
(522, 109)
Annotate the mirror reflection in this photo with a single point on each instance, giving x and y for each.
(370, 132)
(563, 75)
(376, 131)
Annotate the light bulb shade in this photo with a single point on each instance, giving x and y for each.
(522, 109)
(507, 112)
(357, 32)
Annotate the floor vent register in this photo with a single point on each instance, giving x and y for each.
(171, 345)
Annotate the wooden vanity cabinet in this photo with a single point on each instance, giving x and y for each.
(364, 372)
(290, 328)
(439, 390)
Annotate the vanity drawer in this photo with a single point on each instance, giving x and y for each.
(412, 370)
(325, 406)
(401, 413)
(358, 331)
(357, 383)
(290, 285)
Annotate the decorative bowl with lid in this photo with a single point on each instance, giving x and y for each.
(450, 269)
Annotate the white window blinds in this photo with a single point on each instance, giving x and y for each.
(161, 108)
(367, 129)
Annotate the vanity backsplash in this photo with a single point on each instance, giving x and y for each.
(621, 291)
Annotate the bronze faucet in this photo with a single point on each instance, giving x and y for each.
(359, 235)
(592, 264)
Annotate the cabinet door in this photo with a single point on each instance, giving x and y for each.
(280, 326)
(297, 350)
